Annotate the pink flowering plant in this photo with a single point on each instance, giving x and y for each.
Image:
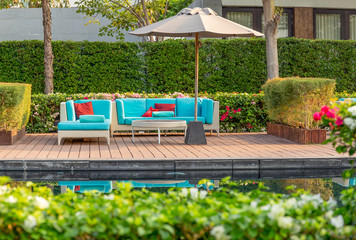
(241, 112)
(341, 118)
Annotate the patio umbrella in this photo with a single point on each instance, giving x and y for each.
(196, 22)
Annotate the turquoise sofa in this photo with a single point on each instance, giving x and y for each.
(71, 127)
(347, 99)
(126, 110)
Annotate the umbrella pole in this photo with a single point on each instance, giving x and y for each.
(196, 76)
(195, 133)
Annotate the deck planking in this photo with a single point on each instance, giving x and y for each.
(146, 147)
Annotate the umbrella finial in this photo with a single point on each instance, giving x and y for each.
(197, 10)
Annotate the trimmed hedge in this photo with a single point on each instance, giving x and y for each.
(239, 112)
(15, 99)
(225, 65)
(79, 67)
(293, 101)
(178, 214)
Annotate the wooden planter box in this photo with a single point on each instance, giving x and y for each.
(298, 135)
(10, 137)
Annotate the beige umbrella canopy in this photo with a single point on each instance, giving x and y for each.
(196, 23)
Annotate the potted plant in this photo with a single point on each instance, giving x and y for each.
(15, 100)
(291, 103)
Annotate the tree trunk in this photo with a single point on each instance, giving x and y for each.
(271, 23)
(48, 55)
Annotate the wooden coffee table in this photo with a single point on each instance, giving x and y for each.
(159, 125)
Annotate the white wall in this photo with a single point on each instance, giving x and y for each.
(26, 24)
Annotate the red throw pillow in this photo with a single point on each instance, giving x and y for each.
(83, 109)
(149, 112)
(165, 107)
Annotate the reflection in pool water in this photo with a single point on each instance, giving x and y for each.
(326, 187)
(108, 186)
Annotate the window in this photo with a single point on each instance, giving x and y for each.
(334, 24)
(243, 18)
(253, 18)
(328, 26)
(353, 27)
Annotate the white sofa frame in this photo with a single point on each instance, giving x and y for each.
(79, 133)
(215, 126)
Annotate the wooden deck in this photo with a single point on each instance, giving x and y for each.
(172, 147)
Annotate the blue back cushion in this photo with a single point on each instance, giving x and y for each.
(134, 107)
(70, 110)
(100, 107)
(151, 102)
(185, 107)
(208, 110)
(120, 111)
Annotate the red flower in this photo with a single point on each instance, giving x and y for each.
(239, 110)
(234, 110)
(339, 121)
(317, 116)
(330, 114)
(227, 108)
(85, 98)
(324, 110)
(331, 125)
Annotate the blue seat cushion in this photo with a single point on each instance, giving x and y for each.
(185, 107)
(76, 125)
(128, 120)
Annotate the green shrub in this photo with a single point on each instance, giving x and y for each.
(293, 101)
(237, 65)
(345, 94)
(250, 118)
(177, 214)
(15, 99)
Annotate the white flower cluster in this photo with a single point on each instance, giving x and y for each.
(11, 199)
(109, 197)
(350, 122)
(41, 203)
(194, 193)
(315, 200)
(30, 222)
(337, 222)
(277, 211)
(219, 233)
(3, 190)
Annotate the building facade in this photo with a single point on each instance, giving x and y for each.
(26, 24)
(312, 19)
